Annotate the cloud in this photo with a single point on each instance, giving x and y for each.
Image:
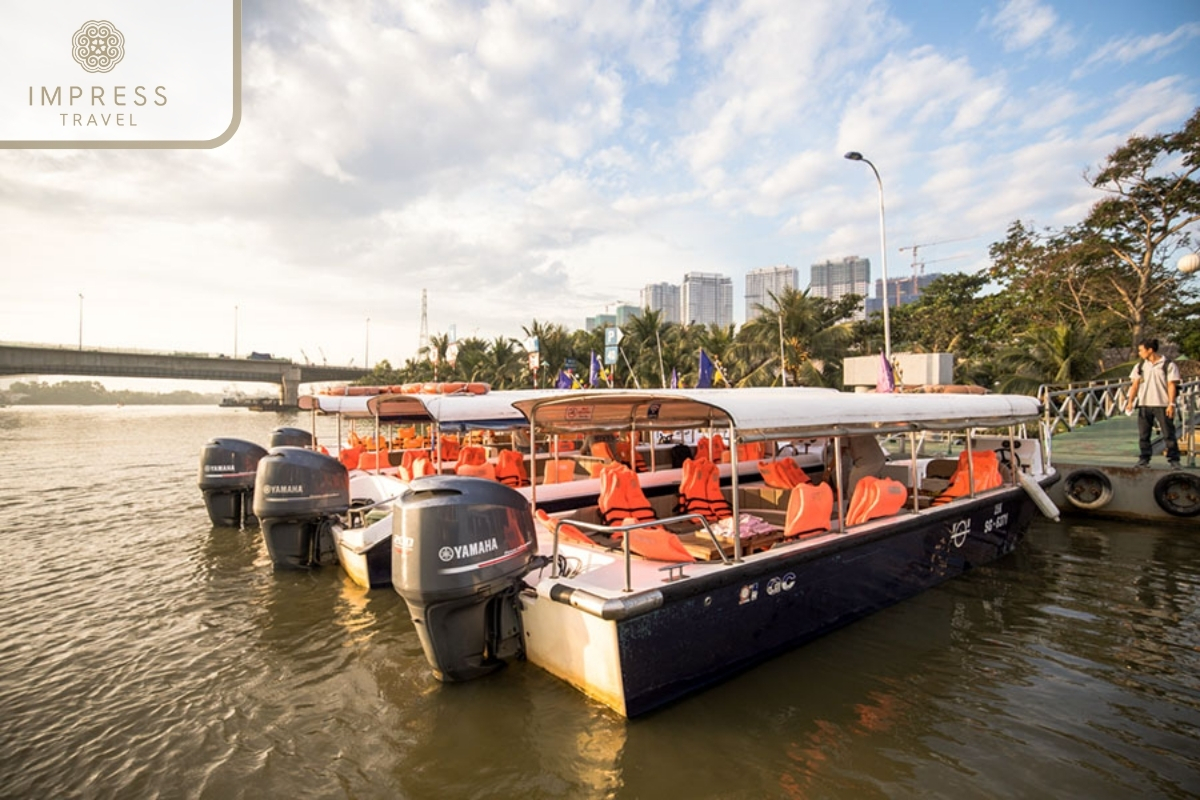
(1028, 24)
(1128, 49)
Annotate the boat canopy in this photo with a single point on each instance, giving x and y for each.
(774, 413)
(490, 411)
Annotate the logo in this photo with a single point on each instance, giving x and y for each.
(156, 81)
(98, 46)
(283, 488)
(958, 533)
(219, 467)
(468, 550)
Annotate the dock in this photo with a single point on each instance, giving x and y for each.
(1099, 476)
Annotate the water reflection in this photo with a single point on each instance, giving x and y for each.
(147, 653)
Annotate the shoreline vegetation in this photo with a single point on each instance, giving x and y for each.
(93, 393)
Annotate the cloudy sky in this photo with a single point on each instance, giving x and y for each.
(543, 159)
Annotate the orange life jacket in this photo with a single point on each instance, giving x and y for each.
(448, 445)
(657, 544)
(874, 498)
(621, 496)
(565, 529)
(484, 470)
(561, 471)
(510, 469)
(700, 490)
(810, 508)
(350, 456)
(782, 473)
(414, 464)
(986, 467)
(716, 446)
(472, 454)
(623, 450)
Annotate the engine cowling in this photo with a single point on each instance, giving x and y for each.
(228, 468)
(299, 496)
(460, 547)
(290, 437)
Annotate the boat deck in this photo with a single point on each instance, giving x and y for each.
(1110, 443)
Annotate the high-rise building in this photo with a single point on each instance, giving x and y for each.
(762, 283)
(836, 279)
(626, 312)
(901, 291)
(706, 298)
(663, 298)
(600, 321)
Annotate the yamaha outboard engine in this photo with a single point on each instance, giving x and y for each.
(298, 497)
(227, 470)
(460, 547)
(291, 437)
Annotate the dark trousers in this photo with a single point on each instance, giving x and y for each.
(1148, 417)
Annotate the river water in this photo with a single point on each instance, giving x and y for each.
(145, 653)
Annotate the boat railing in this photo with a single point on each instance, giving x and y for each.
(1066, 408)
(625, 546)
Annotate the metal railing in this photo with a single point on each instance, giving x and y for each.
(1072, 406)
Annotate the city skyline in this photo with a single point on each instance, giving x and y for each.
(518, 164)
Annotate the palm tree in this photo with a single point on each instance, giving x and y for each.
(812, 333)
(642, 345)
(1066, 353)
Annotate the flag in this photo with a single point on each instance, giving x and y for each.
(674, 378)
(887, 379)
(563, 382)
(575, 382)
(705, 381)
(597, 373)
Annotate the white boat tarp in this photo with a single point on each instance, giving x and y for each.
(772, 413)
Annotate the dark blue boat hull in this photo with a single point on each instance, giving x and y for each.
(709, 628)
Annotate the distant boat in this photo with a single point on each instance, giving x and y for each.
(255, 403)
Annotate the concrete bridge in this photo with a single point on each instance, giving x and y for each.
(31, 359)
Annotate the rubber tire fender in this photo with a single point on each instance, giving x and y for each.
(1178, 494)
(1088, 489)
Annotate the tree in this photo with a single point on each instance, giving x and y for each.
(814, 333)
(1065, 353)
(1143, 222)
(1116, 261)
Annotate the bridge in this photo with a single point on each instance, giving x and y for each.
(33, 359)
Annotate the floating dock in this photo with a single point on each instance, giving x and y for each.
(1100, 479)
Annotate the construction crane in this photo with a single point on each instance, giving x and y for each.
(918, 264)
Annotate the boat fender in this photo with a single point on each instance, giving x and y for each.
(1088, 489)
(1178, 494)
(1040, 498)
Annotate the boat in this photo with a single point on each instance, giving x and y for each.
(320, 512)
(487, 583)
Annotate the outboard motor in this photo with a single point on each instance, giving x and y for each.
(298, 497)
(227, 470)
(460, 547)
(291, 437)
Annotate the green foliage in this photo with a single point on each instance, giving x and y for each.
(93, 393)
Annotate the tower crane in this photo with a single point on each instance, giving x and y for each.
(918, 264)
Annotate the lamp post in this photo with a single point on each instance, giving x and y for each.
(367, 348)
(887, 329)
(235, 321)
(782, 358)
(81, 321)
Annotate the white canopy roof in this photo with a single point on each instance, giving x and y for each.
(491, 410)
(771, 413)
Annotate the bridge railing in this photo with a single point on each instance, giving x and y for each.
(1068, 407)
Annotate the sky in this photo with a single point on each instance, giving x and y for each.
(546, 159)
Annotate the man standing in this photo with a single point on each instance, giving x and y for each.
(1155, 385)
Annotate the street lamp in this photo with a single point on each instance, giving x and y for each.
(235, 321)
(367, 349)
(887, 329)
(81, 321)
